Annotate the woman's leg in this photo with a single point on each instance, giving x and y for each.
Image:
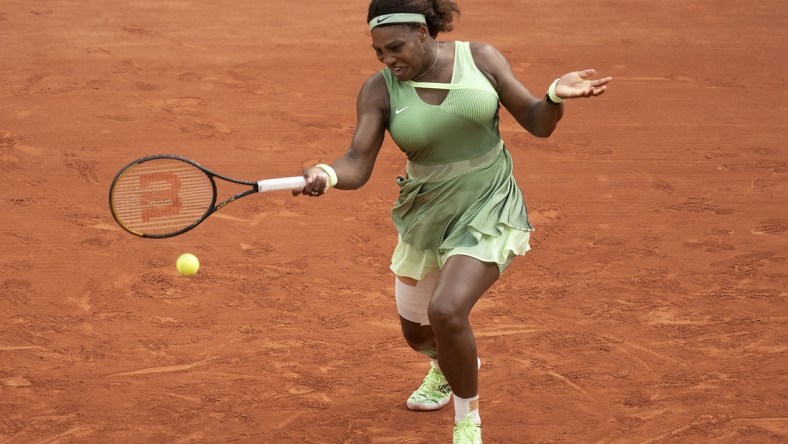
(413, 298)
(461, 283)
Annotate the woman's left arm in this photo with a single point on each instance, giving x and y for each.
(537, 116)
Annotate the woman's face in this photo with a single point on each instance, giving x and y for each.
(402, 48)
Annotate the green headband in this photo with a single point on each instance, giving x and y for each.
(387, 19)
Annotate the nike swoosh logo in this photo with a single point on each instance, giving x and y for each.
(400, 110)
(383, 19)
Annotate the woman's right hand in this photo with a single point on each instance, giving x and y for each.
(317, 183)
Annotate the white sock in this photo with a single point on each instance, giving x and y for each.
(463, 407)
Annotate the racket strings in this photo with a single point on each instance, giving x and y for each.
(161, 196)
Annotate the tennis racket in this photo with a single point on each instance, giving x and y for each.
(166, 195)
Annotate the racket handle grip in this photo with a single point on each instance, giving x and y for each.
(282, 183)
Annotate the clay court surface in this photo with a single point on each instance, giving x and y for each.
(652, 308)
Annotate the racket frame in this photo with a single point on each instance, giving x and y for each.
(255, 187)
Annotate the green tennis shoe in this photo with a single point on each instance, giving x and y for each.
(433, 393)
(467, 432)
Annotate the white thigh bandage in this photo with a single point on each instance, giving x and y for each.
(412, 300)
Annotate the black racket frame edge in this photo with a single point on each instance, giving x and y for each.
(211, 209)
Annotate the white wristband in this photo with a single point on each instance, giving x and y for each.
(551, 93)
(332, 175)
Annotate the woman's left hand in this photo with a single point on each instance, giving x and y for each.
(578, 84)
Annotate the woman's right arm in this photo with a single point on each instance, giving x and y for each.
(354, 168)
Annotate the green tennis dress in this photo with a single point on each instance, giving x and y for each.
(458, 195)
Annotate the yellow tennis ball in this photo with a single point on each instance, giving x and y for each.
(187, 264)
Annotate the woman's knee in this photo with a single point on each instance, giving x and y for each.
(447, 317)
(418, 337)
(427, 347)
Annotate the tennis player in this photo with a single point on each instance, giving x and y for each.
(460, 215)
